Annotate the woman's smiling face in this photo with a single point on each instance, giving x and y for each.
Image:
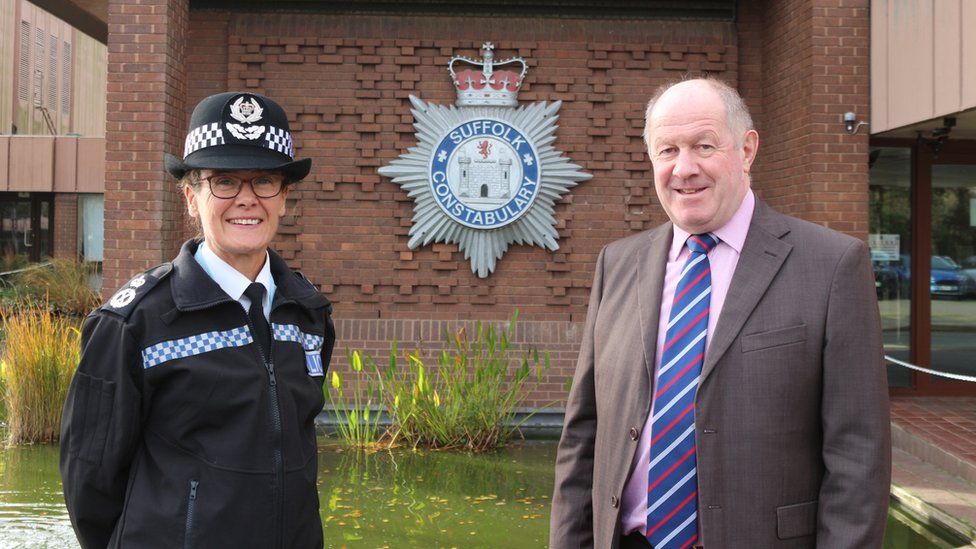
(237, 229)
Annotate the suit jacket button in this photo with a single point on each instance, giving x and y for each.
(614, 502)
(634, 433)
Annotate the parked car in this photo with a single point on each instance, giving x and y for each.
(889, 279)
(892, 277)
(949, 280)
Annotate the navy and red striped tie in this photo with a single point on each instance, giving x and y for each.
(672, 490)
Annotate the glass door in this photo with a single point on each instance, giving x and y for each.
(890, 241)
(952, 280)
(25, 229)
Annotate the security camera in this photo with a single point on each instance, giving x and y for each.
(850, 122)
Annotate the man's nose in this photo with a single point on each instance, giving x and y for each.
(686, 165)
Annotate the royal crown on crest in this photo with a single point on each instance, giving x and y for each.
(486, 82)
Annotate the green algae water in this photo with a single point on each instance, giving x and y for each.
(373, 500)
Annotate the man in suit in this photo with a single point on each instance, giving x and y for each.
(730, 390)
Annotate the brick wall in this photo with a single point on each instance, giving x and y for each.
(65, 232)
(146, 116)
(815, 67)
(345, 82)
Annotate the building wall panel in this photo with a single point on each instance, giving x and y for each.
(65, 164)
(8, 26)
(89, 85)
(947, 56)
(31, 164)
(923, 60)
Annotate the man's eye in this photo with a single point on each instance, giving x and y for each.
(226, 182)
(263, 182)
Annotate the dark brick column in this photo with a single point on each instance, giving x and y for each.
(815, 66)
(146, 117)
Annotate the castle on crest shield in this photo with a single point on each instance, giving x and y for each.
(484, 173)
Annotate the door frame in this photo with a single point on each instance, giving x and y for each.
(920, 352)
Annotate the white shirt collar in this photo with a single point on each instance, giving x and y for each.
(231, 281)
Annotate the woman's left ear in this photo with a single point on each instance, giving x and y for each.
(284, 202)
(191, 201)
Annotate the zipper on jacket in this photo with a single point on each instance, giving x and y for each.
(190, 509)
(277, 460)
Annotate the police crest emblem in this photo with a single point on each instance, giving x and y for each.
(485, 172)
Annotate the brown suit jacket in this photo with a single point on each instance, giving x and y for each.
(792, 418)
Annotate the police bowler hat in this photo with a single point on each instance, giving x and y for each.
(239, 131)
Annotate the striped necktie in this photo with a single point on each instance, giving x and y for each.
(672, 489)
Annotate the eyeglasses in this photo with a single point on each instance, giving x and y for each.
(229, 186)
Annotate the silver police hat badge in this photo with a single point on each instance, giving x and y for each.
(485, 173)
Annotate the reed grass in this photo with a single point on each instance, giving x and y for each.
(469, 400)
(357, 419)
(64, 284)
(39, 356)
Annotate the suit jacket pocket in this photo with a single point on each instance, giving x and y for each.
(797, 520)
(774, 338)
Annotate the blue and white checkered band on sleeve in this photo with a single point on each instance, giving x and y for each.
(202, 137)
(279, 140)
(311, 343)
(165, 351)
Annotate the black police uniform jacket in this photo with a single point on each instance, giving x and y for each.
(177, 432)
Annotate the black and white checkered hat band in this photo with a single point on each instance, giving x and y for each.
(210, 135)
(202, 137)
(279, 140)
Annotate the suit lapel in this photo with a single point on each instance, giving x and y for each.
(651, 265)
(763, 254)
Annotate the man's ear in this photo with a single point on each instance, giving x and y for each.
(750, 146)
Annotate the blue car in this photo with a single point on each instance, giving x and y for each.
(949, 280)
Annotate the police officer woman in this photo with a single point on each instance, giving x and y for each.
(190, 420)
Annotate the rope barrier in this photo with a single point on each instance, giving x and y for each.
(910, 366)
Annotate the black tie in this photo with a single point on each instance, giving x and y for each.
(262, 333)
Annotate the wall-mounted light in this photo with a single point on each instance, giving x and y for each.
(852, 124)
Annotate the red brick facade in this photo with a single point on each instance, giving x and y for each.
(345, 82)
(65, 232)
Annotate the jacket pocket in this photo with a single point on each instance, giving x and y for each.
(774, 338)
(191, 506)
(91, 416)
(797, 520)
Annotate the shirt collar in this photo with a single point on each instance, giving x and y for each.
(230, 279)
(733, 233)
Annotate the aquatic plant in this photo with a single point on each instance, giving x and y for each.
(39, 356)
(468, 400)
(357, 418)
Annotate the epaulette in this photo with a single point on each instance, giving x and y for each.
(305, 279)
(124, 301)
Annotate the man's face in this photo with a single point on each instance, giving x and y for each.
(237, 229)
(701, 174)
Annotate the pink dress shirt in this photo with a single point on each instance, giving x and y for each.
(722, 259)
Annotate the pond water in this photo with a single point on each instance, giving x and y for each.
(384, 499)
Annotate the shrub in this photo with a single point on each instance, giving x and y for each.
(38, 359)
(64, 283)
